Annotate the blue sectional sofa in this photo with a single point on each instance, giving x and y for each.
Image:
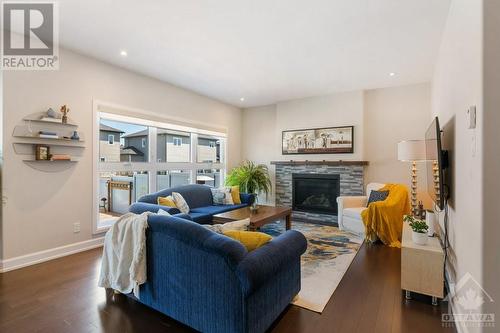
(198, 197)
(211, 283)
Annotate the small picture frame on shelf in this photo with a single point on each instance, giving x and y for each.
(42, 153)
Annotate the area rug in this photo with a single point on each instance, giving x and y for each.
(329, 253)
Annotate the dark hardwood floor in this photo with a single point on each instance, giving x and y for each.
(62, 296)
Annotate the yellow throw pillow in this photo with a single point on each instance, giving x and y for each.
(235, 194)
(250, 239)
(166, 201)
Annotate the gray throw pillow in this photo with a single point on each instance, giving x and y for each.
(377, 196)
(218, 196)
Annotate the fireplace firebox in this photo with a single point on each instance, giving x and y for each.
(315, 193)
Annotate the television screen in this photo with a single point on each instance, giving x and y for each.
(434, 157)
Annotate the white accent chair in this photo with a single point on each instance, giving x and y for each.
(350, 208)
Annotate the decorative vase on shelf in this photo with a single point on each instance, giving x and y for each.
(51, 113)
(75, 136)
(419, 238)
(64, 110)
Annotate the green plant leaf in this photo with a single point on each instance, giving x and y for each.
(251, 178)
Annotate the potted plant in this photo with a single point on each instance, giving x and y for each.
(419, 227)
(251, 178)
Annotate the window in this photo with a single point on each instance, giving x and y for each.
(173, 146)
(211, 177)
(172, 178)
(118, 190)
(127, 168)
(132, 137)
(209, 149)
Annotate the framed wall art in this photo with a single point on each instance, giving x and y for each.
(329, 140)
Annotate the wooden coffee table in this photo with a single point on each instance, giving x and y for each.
(263, 216)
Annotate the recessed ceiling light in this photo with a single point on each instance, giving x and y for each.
(392, 74)
(242, 99)
(123, 53)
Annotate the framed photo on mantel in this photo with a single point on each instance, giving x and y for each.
(329, 140)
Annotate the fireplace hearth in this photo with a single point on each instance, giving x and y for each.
(315, 193)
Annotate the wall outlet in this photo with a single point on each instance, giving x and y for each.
(76, 227)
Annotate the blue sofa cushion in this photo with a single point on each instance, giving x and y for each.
(213, 210)
(195, 195)
(211, 283)
(197, 236)
(141, 207)
(201, 218)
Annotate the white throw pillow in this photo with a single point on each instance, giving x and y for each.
(180, 202)
(163, 212)
(240, 225)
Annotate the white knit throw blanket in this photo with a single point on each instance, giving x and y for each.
(123, 266)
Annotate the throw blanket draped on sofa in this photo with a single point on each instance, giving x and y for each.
(123, 266)
(384, 219)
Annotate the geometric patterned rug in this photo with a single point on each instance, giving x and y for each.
(329, 254)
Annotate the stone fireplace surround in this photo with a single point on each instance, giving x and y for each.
(351, 183)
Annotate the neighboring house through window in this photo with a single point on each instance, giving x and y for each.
(137, 156)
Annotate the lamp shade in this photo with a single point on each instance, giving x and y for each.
(411, 150)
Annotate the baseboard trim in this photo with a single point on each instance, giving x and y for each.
(50, 254)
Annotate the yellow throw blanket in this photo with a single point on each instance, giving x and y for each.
(384, 219)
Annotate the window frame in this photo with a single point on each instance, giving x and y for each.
(153, 165)
(111, 136)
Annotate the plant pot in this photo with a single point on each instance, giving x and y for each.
(419, 238)
(254, 206)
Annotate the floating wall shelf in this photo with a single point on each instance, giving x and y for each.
(26, 140)
(37, 117)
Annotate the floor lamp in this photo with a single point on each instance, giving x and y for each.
(412, 151)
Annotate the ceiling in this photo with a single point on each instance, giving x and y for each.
(263, 50)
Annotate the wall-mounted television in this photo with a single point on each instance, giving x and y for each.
(437, 161)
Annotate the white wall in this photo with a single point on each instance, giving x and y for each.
(263, 126)
(491, 166)
(393, 115)
(258, 142)
(457, 84)
(342, 109)
(42, 207)
(381, 117)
